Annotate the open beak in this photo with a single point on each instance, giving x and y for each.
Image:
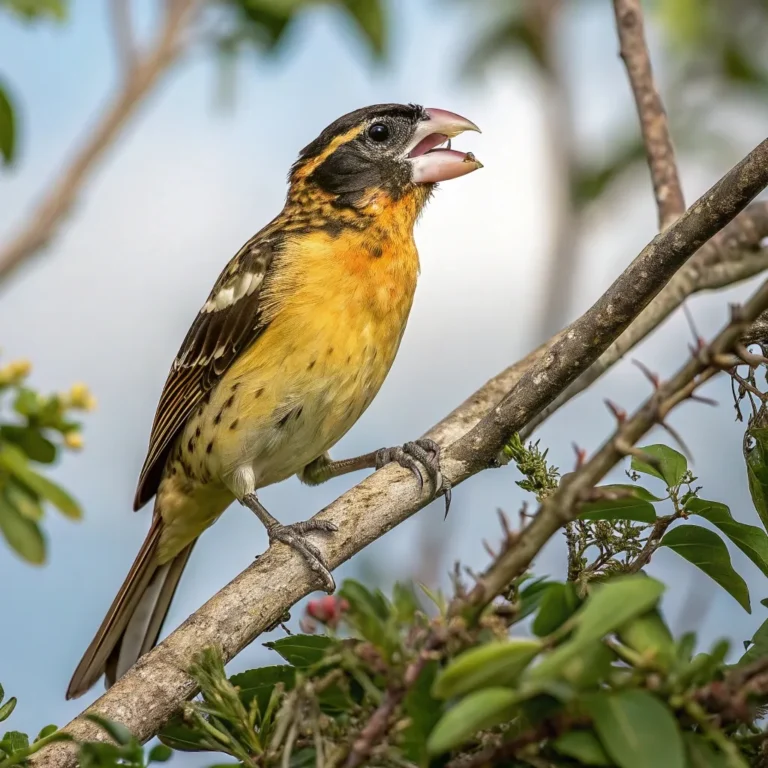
(430, 161)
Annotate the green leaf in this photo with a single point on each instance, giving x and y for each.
(582, 746)
(758, 648)
(369, 16)
(12, 459)
(303, 758)
(46, 731)
(532, 596)
(636, 490)
(7, 128)
(15, 741)
(706, 550)
(26, 502)
(756, 457)
(22, 534)
(423, 713)
(7, 708)
(302, 651)
(750, 539)
(500, 662)
(363, 600)
(182, 738)
(614, 603)
(672, 464)
(160, 753)
(405, 603)
(590, 666)
(649, 635)
(27, 402)
(116, 730)
(258, 683)
(36, 9)
(476, 712)
(31, 441)
(637, 506)
(637, 730)
(371, 614)
(559, 603)
(610, 606)
(701, 754)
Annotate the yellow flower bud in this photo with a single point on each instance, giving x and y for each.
(20, 368)
(74, 440)
(15, 371)
(80, 397)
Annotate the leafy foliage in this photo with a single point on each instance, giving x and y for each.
(33, 430)
(607, 685)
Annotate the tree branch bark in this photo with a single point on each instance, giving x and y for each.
(151, 691)
(650, 109)
(62, 193)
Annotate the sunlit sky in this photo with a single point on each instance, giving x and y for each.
(188, 182)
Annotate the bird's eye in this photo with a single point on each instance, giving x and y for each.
(378, 132)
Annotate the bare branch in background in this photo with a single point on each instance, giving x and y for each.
(650, 110)
(542, 20)
(62, 193)
(150, 692)
(122, 31)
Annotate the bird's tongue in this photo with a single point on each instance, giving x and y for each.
(427, 143)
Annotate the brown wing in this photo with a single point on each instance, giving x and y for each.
(229, 321)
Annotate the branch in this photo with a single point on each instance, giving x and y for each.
(577, 347)
(562, 506)
(63, 192)
(757, 333)
(732, 256)
(650, 110)
(150, 692)
(122, 31)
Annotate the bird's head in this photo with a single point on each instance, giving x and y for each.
(395, 150)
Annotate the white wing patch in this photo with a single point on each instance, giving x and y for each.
(226, 297)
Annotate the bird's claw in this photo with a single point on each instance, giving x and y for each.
(294, 536)
(423, 453)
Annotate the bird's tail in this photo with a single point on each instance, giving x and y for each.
(135, 618)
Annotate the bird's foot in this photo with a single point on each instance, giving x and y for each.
(423, 453)
(294, 536)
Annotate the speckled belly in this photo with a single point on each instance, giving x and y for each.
(284, 403)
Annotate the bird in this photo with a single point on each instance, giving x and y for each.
(286, 353)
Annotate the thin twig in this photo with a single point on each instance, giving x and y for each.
(62, 193)
(122, 31)
(380, 721)
(506, 751)
(650, 109)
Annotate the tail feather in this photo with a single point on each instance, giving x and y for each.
(134, 620)
(144, 626)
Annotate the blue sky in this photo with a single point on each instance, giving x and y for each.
(187, 183)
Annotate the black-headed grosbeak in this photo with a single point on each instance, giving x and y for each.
(292, 344)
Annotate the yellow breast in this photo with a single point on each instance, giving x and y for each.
(337, 310)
